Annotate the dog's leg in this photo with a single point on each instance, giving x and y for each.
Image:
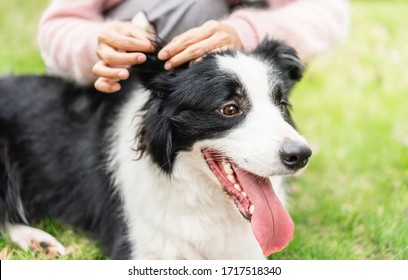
(28, 237)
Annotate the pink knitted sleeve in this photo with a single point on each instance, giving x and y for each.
(310, 26)
(67, 37)
(68, 30)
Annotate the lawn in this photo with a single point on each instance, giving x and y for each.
(352, 106)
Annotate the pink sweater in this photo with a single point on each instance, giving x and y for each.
(69, 28)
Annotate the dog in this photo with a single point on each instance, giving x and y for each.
(179, 164)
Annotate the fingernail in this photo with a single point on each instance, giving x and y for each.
(167, 66)
(115, 87)
(162, 55)
(122, 74)
(141, 59)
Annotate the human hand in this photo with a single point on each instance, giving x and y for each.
(196, 42)
(120, 44)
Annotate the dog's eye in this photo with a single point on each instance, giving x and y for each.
(230, 110)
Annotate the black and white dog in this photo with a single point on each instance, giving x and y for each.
(177, 165)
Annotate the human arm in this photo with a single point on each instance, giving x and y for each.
(310, 26)
(68, 37)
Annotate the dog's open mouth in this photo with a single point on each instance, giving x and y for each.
(255, 199)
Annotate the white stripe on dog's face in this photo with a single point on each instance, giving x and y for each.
(255, 144)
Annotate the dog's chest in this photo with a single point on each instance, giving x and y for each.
(183, 220)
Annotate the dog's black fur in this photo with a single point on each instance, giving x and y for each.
(53, 138)
(52, 157)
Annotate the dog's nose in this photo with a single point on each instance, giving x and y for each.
(294, 155)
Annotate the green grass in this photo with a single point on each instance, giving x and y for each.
(352, 201)
(352, 106)
(18, 28)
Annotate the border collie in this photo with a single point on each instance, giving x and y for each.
(177, 165)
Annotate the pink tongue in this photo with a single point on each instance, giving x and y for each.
(271, 224)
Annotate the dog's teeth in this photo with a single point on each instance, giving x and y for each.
(244, 194)
(237, 187)
(224, 161)
(252, 209)
(231, 178)
(228, 170)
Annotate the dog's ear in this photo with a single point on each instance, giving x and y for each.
(151, 73)
(152, 67)
(155, 135)
(281, 55)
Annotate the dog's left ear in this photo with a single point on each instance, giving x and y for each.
(155, 135)
(151, 72)
(281, 55)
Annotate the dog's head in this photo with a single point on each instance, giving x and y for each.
(233, 109)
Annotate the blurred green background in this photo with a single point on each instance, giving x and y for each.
(352, 106)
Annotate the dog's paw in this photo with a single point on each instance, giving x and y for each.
(28, 237)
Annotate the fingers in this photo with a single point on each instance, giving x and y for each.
(107, 85)
(120, 44)
(185, 40)
(126, 43)
(108, 81)
(101, 69)
(116, 58)
(195, 53)
(191, 53)
(125, 36)
(193, 44)
(110, 75)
